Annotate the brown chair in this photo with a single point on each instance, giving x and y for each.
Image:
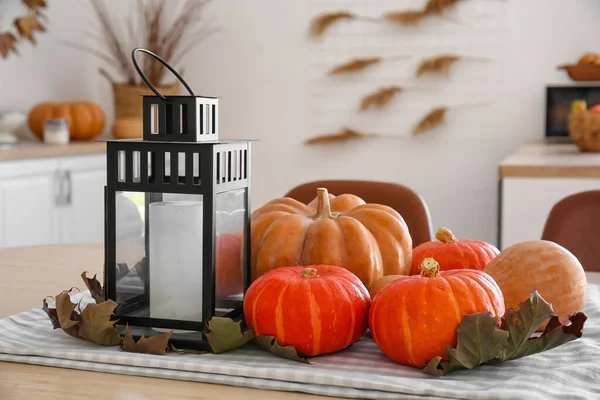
(404, 200)
(574, 223)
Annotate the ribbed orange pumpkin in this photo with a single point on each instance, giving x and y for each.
(414, 318)
(85, 119)
(542, 265)
(370, 240)
(318, 309)
(453, 253)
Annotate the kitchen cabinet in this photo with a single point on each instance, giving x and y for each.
(56, 200)
(533, 180)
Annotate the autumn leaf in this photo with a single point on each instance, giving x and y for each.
(52, 314)
(224, 334)
(96, 325)
(271, 344)
(157, 345)
(94, 286)
(479, 341)
(65, 308)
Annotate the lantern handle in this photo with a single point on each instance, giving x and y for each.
(163, 62)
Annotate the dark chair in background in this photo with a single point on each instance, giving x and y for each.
(402, 199)
(574, 223)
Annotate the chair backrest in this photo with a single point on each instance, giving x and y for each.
(404, 200)
(574, 223)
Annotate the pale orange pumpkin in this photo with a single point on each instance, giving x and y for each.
(382, 282)
(229, 265)
(542, 265)
(370, 240)
(85, 119)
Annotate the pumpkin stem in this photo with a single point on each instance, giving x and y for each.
(323, 205)
(309, 273)
(445, 235)
(429, 268)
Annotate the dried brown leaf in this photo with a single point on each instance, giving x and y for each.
(94, 286)
(96, 325)
(356, 64)
(438, 6)
(324, 21)
(437, 65)
(26, 26)
(380, 98)
(65, 309)
(35, 4)
(344, 135)
(157, 345)
(52, 314)
(434, 118)
(7, 44)
(408, 17)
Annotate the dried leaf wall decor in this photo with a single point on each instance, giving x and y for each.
(435, 8)
(359, 64)
(7, 44)
(320, 24)
(441, 64)
(437, 117)
(383, 96)
(379, 98)
(345, 135)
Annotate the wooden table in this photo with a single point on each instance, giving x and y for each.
(31, 273)
(28, 275)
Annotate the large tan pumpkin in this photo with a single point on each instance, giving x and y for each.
(544, 266)
(370, 240)
(85, 119)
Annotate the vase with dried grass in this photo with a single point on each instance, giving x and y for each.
(171, 32)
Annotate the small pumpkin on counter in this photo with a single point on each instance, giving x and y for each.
(414, 318)
(85, 119)
(454, 253)
(370, 240)
(545, 266)
(318, 309)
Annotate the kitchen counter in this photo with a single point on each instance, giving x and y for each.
(28, 150)
(545, 160)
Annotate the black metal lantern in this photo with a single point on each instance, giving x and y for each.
(177, 226)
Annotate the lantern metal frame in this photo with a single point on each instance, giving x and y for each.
(223, 166)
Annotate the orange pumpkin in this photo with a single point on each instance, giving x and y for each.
(317, 309)
(229, 272)
(414, 319)
(382, 282)
(370, 240)
(85, 119)
(453, 253)
(542, 265)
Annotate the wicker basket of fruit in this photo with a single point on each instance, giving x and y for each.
(584, 126)
(586, 69)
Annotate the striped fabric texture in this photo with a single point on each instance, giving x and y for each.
(571, 371)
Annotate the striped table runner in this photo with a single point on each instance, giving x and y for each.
(571, 371)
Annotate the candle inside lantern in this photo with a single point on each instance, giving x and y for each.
(175, 254)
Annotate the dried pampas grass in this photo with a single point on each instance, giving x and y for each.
(437, 116)
(7, 44)
(409, 17)
(346, 134)
(356, 64)
(434, 118)
(380, 98)
(320, 24)
(441, 64)
(359, 64)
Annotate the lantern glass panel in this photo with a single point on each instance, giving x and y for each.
(159, 255)
(229, 253)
